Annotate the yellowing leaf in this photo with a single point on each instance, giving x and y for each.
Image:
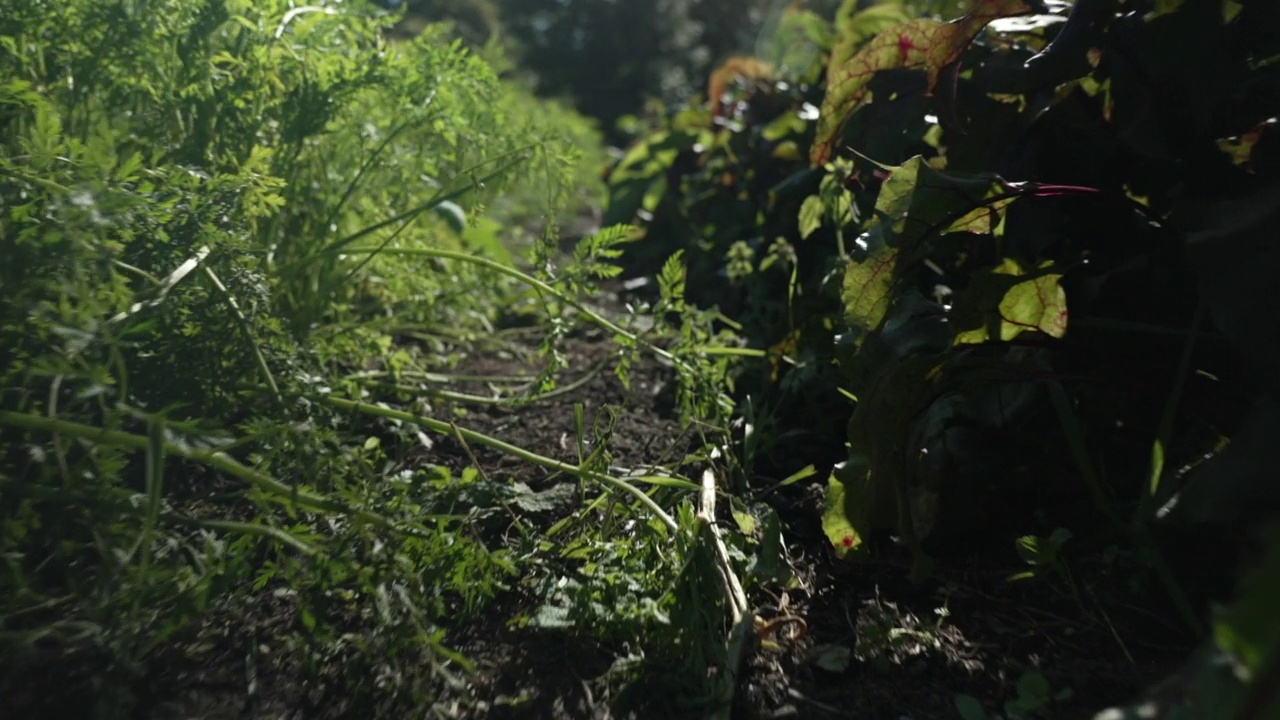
(835, 523)
(922, 44)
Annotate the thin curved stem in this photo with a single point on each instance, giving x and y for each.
(445, 428)
(212, 458)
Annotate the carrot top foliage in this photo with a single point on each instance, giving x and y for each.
(194, 195)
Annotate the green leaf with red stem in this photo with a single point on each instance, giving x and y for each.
(915, 204)
(922, 44)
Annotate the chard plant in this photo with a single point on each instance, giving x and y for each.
(985, 256)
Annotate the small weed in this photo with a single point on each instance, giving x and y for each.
(1034, 699)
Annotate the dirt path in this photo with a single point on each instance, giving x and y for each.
(870, 645)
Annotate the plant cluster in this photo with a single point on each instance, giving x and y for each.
(199, 204)
(1030, 243)
(1002, 275)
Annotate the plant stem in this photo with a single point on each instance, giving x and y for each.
(212, 458)
(445, 428)
(591, 315)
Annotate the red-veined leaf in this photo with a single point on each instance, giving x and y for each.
(866, 287)
(922, 44)
(1028, 302)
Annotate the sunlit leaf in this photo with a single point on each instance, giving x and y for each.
(1164, 7)
(923, 44)
(862, 25)
(746, 522)
(552, 618)
(986, 218)
(807, 471)
(796, 46)
(663, 481)
(918, 202)
(486, 234)
(1039, 304)
(787, 124)
(894, 201)
(867, 285)
(1040, 552)
(129, 167)
(787, 150)
(648, 159)
(1028, 302)
(737, 68)
(835, 521)
(810, 216)
(1240, 147)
